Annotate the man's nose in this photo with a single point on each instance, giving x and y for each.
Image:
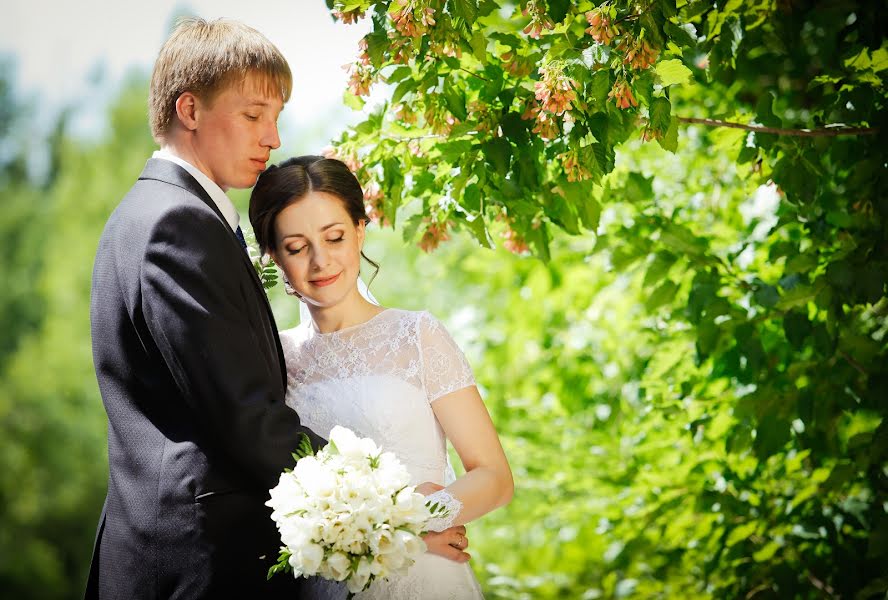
(271, 139)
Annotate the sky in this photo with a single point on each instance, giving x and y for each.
(59, 47)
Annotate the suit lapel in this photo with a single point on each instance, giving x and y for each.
(169, 172)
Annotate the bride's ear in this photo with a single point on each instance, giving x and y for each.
(360, 230)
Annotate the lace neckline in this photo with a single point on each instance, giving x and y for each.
(313, 328)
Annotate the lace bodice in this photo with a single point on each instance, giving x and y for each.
(380, 379)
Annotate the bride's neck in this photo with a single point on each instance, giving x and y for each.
(348, 313)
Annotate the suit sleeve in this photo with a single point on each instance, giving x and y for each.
(197, 312)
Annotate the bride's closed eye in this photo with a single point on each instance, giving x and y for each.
(294, 251)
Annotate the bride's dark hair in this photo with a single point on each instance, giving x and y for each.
(282, 184)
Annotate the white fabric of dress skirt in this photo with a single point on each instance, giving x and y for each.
(380, 379)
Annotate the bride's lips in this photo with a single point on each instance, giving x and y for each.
(325, 282)
(259, 163)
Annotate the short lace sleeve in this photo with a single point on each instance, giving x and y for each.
(444, 366)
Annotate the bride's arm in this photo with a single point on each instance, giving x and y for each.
(454, 398)
(487, 483)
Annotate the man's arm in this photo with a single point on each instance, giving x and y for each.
(195, 310)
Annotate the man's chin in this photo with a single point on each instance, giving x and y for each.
(246, 182)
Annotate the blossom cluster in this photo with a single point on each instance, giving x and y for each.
(411, 18)
(539, 19)
(555, 90)
(435, 233)
(348, 17)
(601, 27)
(348, 513)
(638, 53)
(553, 95)
(360, 78)
(574, 167)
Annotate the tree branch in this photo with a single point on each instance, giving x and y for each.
(474, 74)
(825, 132)
(853, 362)
(820, 585)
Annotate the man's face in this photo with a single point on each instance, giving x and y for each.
(236, 132)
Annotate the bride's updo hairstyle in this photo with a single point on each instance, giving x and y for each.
(285, 183)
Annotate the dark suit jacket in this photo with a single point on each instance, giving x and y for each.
(192, 377)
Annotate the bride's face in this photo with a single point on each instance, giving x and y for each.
(319, 248)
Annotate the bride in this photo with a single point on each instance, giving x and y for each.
(393, 375)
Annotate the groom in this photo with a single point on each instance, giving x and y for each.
(185, 346)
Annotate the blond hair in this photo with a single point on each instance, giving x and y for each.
(204, 58)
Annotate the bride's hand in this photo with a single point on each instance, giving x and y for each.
(449, 543)
(427, 487)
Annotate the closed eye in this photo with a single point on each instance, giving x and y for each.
(339, 239)
(252, 117)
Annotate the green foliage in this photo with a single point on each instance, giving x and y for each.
(691, 386)
(52, 424)
(747, 454)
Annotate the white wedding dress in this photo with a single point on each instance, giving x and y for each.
(379, 379)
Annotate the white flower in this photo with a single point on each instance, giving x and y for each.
(315, 479)
(412, 544)
(351, 446)
(338, 565)
(348, 513)
(393, 564)
(307, 559)
(381, 540)
(296, 533)
(360, 577)
(410, 508)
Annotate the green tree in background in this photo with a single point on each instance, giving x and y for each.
(763, 369)
(680, 332)
(20, 309)
(52, 424)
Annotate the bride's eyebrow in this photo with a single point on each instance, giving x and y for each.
(302, 235)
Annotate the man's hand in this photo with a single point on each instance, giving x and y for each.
(449, 543)
(427, 487)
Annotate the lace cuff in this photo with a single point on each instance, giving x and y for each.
(445, 513)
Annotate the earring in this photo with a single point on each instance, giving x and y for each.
(289, 289)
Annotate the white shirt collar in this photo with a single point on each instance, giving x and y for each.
(215, 192)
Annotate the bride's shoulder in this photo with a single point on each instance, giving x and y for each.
(293, 337)
(416, 317)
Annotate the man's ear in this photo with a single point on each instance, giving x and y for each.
(187, 109)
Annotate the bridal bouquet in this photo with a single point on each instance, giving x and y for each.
(348, 513)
